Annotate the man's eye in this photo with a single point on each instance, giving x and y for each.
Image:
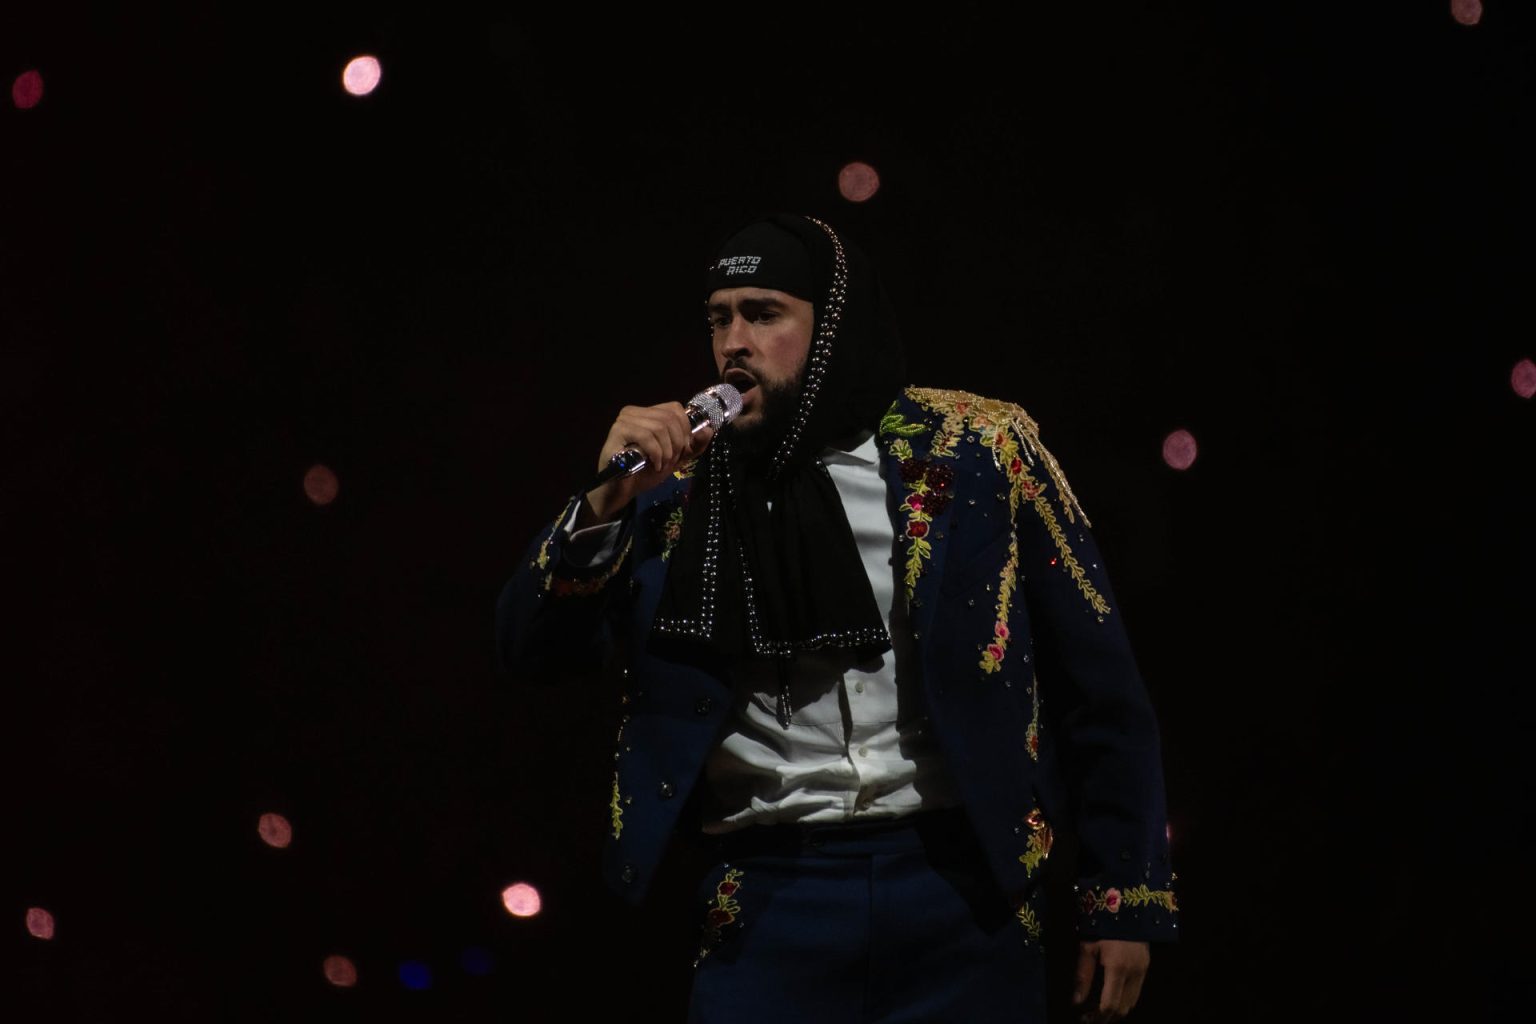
(766, 314)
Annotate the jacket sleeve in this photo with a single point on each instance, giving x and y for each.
(1107, 735)
(552, 616)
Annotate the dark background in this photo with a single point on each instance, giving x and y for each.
(1300, 231)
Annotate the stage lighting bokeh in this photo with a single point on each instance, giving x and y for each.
(274, 830)
(361, 75)
(27, 90)
(858, 181)
(340, 971)
(1179, 449)
(521, 900)
(320, 485)
(39, 923)
(1523, 378)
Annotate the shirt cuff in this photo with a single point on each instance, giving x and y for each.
(590, 547)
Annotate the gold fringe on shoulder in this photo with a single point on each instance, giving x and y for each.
(961, 410)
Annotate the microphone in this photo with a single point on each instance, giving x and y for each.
(715, 406)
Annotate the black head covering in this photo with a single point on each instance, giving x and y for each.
(767, 565)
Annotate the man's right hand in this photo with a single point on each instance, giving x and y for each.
(661, 434)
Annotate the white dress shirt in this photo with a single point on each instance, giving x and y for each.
(859, 745)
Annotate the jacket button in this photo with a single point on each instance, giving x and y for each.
(628, 874)
(702, 705)
(666, 790)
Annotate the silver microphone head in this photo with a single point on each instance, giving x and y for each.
(720, 402)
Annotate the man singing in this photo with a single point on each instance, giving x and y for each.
(871, 656)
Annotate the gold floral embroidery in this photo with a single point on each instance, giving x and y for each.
(616, 809)
(686, 470)
(929, 484)
(1030, 920)
(992, 657)
(671, 531)
(919, 549)
(1048, 515)
(1112, 900)
(1038, 846)
(961, 408)
(721, 912)
(1013, 438)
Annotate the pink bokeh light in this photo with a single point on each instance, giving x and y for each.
(340, 971)
(858, 181)
(361, 75)
(27, 90)
(1468, 12)
(320, 484)
(1523, 378)
(521, 900)
(39, 923)
(274, 830)
(1179, 449)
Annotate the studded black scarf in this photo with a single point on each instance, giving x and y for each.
(767, 565)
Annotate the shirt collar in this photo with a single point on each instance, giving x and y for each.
(858, 449)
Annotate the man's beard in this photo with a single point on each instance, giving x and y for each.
(777, 401)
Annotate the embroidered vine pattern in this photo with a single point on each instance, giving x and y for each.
(1030, 920)
(930, 495)
(1038, 846)
(1111, 900)
(616, 809)
(929, 485)
(1048, 515)
(1013, 439)
(992, 657)
(721, 913)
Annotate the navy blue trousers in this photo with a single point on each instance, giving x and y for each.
(881, 923)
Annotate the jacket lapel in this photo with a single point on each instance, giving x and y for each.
(922, 485)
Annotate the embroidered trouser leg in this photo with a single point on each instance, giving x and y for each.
(897, 923)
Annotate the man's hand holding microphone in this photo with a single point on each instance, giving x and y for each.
(647, 442)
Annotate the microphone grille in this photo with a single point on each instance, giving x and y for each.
(720, 402)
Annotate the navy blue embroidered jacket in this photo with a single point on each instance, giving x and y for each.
(1032, 689)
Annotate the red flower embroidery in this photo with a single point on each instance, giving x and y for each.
(1001, 629)
(915, 502)
(1112, 901)
(1034, 742)
(996, 650)
(726, 888)
(1016, 466)
(917, 529)
(721, 917)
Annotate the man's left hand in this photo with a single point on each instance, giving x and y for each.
(1125, 968)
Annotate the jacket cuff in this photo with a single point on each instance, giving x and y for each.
(575, 565)
(1145, 910)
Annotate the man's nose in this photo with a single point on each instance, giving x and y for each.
(737, 336)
